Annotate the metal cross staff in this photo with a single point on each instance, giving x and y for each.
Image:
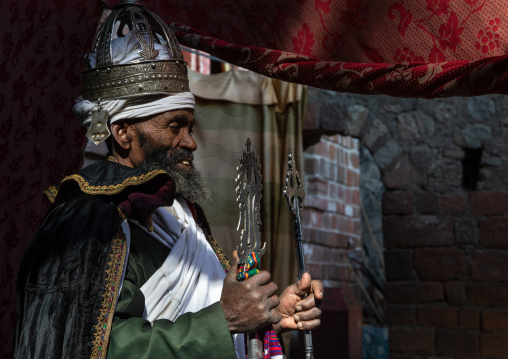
(248, 191)
(295, 194)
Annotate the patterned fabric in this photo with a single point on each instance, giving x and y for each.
(248, 268)
(422, 48)
(271, 344)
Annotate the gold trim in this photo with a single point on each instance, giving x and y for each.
(116, 81)
(112, 189)
(104, 321)
(51, 193)
(219, 252)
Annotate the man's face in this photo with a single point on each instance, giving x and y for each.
(165, 142)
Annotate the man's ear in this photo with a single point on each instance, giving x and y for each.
(122, 133)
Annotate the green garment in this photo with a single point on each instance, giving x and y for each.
(203, 334)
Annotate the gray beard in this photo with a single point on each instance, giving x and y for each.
(189, 183)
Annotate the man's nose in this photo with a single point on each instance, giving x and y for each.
(188, 142)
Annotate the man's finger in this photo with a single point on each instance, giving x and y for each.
(313, 324)
(318, 289)
(306, 304)
(233, 268)
(313, 313)
(261, 278)
(303, 285)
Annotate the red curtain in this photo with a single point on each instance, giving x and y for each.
(417, 48)
(42, 45)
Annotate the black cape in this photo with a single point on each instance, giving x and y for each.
(69, 278)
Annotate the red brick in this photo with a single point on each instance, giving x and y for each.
(452, 204)
(492, 232)
(489, 265)
(488, 203)
(425, 203)
(338, 272)
(465, 230)
(317, 186)
(402, 174)
(494, 345)
(495, 320)
(488, 294)
(400, 315)
(341, 174)
(355, 161)
(356, 197)
(469, 319)
(440, 263)
(412, 340)
(437, 316)
(311, 165)
(455, 293)
(398, 265)
(421, 292)
(313, 219)
(397, 203)
(316, 271)
(417, 231)
(458, 344)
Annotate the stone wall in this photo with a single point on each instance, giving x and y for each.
(444, 163)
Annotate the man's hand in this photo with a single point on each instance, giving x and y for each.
(299, 313)
(249, 305)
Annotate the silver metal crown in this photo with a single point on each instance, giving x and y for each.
(105, 79)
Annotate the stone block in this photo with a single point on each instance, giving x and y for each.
(397, 203)
(387, 154)
(400, 315)
(455, 293)
(472, 136)
(410, 293)
(412, 340)
(440, 263)
(445, 174)
(452, 204)
(417, 231)
(401, 175)
(488, 294)
(415, 124)
(437, 316)
(494, 345)
(377, 130)
(465, 230)
(357, 115)
(488, 203)
(495, 320)
(458, 344)
(489, 265)
(469, 319)
(425, 203)
(492, 232)
(398, 265)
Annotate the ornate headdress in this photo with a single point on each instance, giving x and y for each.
(134, 53)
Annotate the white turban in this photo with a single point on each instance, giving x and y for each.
(125, 50)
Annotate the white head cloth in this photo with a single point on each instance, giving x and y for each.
(125, 51)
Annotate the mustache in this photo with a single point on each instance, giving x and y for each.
(179, 154)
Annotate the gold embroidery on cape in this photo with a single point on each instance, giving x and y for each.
(114, 188)
(219, 252)
(114, 269)
(51, 193)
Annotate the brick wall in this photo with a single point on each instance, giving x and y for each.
(331, 225)
(445, 220)
(447, 285)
